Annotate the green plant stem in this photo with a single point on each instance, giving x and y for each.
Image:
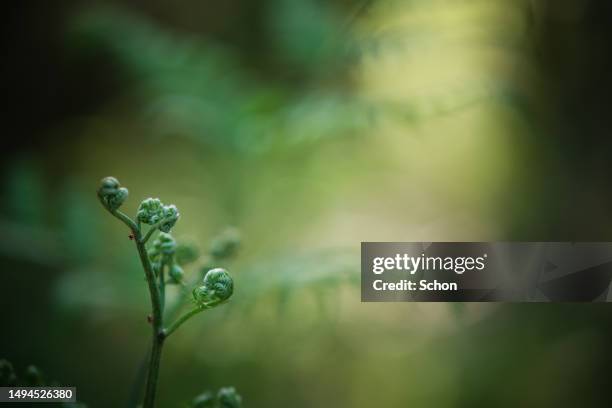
(170, 312)
(125, 219)
(149, 233)
(157, 323)
(152, 230)
(186, 316)
(162, 286)
(175, 307)
(153, 375)
(156, 310)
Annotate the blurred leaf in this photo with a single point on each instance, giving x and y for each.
(194, 87)
(24, 193)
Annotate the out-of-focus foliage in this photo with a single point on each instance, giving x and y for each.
(202, 89)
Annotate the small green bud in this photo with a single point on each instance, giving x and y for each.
(204, 400)
(176, 273)
(150, 211)
(229, 398)
(111, 193)
(164, 246)
(218, 286)
(226, 244)
(185, 254)
(167, 244)
(153, 253)
(33, 376)
(156, 266)
(171, 215)
(7, 374)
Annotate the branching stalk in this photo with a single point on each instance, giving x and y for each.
(178, 322)
(217, 287)
(151, 232)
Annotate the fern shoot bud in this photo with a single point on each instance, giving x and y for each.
(163, 247)
(229, 398)
(150, 211)
(185, 254)
(111, 193)
(170, 216)
(226, 244)
(176, 274)
(218, 286)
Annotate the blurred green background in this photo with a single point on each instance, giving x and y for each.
(310, 126)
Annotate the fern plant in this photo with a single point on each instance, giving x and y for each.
(161, 267)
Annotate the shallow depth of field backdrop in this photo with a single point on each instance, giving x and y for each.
(310, 126)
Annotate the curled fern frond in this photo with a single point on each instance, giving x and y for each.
(111, 193)
(218, 287)
(150, 211)
(153, 212)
